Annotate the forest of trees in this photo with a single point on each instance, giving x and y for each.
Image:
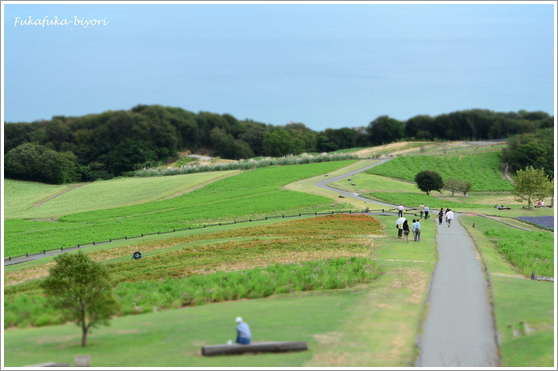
(101, 146)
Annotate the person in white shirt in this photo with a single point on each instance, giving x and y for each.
(449, 217)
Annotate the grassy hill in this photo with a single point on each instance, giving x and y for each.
(369, 322)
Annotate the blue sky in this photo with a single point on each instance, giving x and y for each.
(325, 65)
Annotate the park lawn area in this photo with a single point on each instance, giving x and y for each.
(371, 325)
(22, 196)
(309, 186)
(397, 191)
(524, 308)
(251, 194)
(365, 183)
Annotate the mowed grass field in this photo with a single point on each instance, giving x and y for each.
(255, 193)
(393, 182)
(372, 324)
(524, 308)
(340, 326)
(29, 200)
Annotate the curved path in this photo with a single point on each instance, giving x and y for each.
(459, 330)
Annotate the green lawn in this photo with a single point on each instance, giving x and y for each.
(99, 195)
(524, 308)
(347, 327)
(250, 194)
(371, 325)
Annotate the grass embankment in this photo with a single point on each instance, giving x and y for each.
(371, 324)
(255, 193)
(524, 308)
(26, 200)
(482, 169)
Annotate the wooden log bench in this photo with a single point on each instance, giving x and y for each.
(263, 347)
(51, 364)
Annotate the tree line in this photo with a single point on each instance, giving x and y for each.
(101, 146)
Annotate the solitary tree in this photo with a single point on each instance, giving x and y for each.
(453, 185)
(531, 184)
(465, 187)
(429, 180)
(80, 288)
(457, 185)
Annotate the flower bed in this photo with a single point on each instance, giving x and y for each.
(546, 222)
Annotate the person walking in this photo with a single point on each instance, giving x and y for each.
(421, 209)
(426, 211)
(440, 216)
(449, 217)
(243, 332)
(400, 210)
(416, 229)
(406, 230)
(399, 225)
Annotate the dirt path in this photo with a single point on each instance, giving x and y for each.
(70, 188)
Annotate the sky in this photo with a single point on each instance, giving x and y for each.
(327, 65)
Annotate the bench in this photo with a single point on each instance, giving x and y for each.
(51, 364)
(504, 208)
(263, 347)
(543, 205)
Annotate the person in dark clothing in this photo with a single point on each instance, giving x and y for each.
(406, 230)
(441, 216)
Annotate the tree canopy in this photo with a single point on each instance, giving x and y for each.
(108, 144)
(531, 185)
(428, 181)
(81, 289)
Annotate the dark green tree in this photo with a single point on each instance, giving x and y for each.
(281, 143)
(385, 130)
(81, 289)
(531, 149)
(253, 135)
(428, 181)
(130, 155)
(31, 161)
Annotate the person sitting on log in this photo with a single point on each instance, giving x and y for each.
(243, 332)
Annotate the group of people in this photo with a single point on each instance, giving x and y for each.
(448, 216)
(403, 228)
(424, 210)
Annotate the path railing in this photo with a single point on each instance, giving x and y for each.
(94, 243)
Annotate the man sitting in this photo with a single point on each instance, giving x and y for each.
(243, 332)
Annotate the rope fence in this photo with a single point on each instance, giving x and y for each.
(78, 246)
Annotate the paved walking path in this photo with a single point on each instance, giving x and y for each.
(459, 329)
